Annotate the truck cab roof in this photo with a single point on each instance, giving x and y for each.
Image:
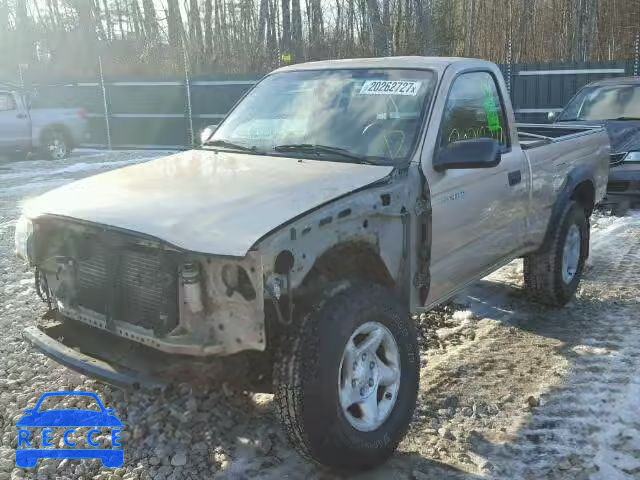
(438, 64)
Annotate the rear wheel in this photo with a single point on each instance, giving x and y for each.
(552, 275)
(56, 144)
(346, 380)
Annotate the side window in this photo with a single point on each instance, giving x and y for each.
(474, 110)
(6, 102)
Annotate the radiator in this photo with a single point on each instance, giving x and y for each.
(120, 279)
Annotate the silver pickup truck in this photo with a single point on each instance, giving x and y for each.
(53, 132)
(334, 199)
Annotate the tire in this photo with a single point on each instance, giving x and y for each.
(307, 379)
(56, 144)
(548, 276)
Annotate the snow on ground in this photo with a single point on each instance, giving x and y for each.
(509, 389)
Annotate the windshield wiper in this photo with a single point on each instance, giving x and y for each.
(320, 149)
(227, 144)
(627, 118)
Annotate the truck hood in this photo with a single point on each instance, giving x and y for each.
(624, 135)
(218, 203)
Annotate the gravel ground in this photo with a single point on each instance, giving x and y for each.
(509, 389)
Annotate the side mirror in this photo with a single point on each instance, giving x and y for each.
(206, 133)
(474, 153)
(551, 117)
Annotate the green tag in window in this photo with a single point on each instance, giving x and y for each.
(491, 109)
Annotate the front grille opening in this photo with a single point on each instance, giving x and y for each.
(118, 278)
(245, 287)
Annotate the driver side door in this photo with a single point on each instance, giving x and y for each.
(477, 213)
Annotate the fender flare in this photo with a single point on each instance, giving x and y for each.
(575, 177)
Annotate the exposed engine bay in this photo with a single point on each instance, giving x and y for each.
(149, 292)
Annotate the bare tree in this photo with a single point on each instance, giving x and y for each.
(174, 24)
(285, 42)
(4, 23)
(195, 34)
(249, 35)
(296, 30)
(379, 32)
(208, 30)
(150, 22)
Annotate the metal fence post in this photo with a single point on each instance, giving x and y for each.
(21, 75)
(104, 103)
(636, 61)
(509, 67)
(187, 84)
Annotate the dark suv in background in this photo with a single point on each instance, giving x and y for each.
(614, 103)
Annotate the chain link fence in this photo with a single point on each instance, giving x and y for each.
(138, 111)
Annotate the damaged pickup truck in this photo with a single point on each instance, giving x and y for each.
(334, 199)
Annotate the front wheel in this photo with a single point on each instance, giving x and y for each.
(552, 274)
(346, 379)
(56, 144)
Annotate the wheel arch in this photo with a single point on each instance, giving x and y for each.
(585, 194)
(579, 186)
(354, 260)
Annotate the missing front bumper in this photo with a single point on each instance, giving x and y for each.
(108, 372)
(125, 363)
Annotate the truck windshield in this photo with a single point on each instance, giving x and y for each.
(609, 102)
(368, 116)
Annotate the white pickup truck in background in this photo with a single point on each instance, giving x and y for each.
(333, 200)
(51, 132)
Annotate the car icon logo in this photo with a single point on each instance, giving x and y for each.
(69, 419)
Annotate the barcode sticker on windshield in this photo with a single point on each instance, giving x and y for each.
(390, 87)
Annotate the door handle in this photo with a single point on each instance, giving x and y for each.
(515, 177)
(21, 115)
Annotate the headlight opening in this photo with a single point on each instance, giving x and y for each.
(24, 239)
(236, 279)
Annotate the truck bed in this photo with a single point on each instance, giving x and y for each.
(552, 153)
(532, 135)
